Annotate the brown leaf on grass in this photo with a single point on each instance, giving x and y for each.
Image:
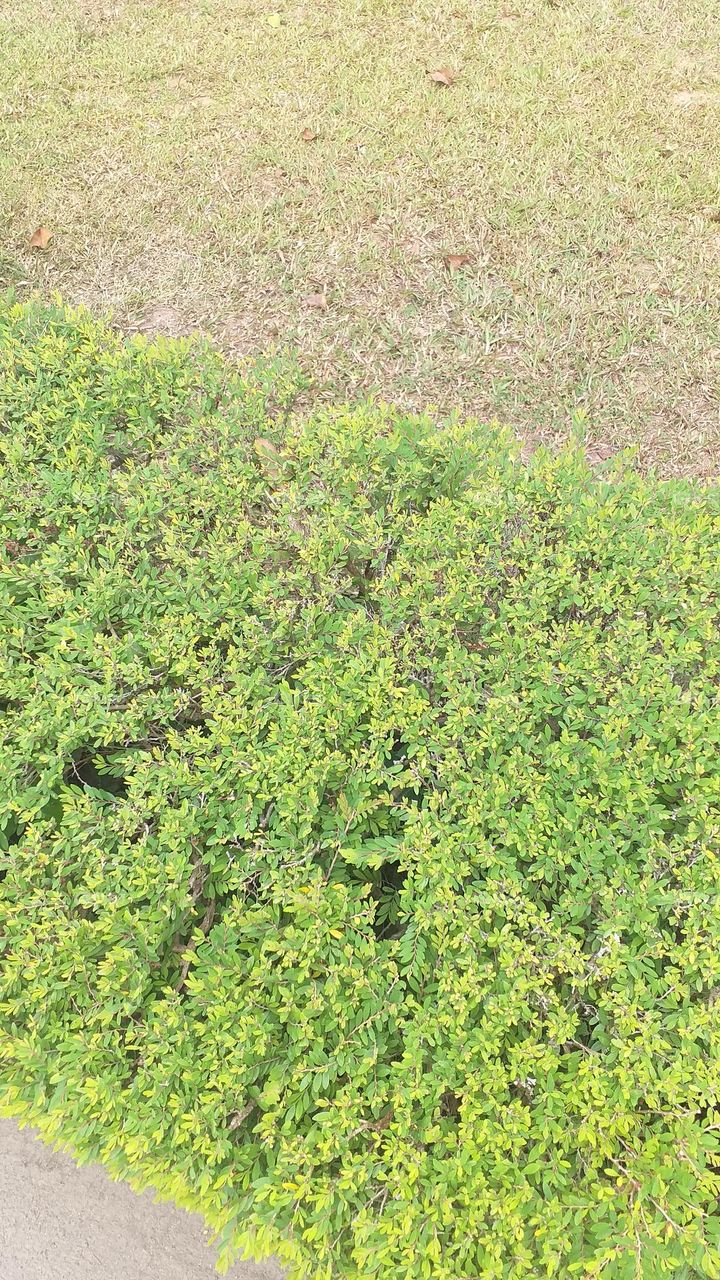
(40, 238)
(318, 301)
(456, 261)
(309, 135)
(444, 76)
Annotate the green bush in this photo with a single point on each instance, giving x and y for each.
(360, 793)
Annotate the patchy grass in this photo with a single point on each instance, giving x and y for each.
(575, 158)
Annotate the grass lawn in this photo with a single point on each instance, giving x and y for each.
(230, 166)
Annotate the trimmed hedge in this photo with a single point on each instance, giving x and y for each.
(360, 798)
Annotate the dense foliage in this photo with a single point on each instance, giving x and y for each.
(360, 798)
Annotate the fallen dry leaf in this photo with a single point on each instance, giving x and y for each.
(238, 1116)
(696, 98)
(442, 75)
(264, 447)
(456, 261)
(318, 301)
(309, 135)
(40, 238)
(270, 457)
(383, 1123)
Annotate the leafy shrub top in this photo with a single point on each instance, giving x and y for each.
(360, 798)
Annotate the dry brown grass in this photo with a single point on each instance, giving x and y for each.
(575, 159)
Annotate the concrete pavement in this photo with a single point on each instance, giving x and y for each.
(58, 1222)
